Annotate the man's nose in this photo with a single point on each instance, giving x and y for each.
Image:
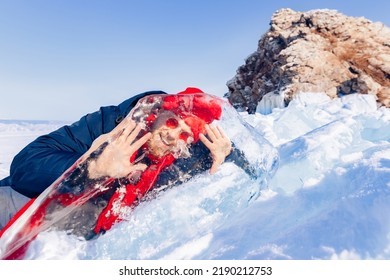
(173, 135)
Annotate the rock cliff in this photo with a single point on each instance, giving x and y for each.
(314, 51)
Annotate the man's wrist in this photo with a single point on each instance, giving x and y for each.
(93, 170)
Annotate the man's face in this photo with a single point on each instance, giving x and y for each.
(170, 134)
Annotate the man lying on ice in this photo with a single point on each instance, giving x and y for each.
(112, 161)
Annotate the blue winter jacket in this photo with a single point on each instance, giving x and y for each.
(41, 162)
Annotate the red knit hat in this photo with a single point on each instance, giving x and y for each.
(197, 111)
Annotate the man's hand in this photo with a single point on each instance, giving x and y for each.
(218, 144)
(114, 161)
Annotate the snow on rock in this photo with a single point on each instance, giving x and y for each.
(314, 51)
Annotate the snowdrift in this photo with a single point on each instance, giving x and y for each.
(73, 204)
(328, 199)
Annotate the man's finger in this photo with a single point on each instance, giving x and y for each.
(138, 144)
(123, 124)
(132, 135)
(216, 131)
(205, 141)
(138, 167)
(210, 133)
(222, 132)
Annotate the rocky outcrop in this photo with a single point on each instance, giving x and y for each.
(315, 51)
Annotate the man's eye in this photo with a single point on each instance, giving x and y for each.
(184, 136)
(172, 123)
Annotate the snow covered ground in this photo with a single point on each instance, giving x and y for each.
(14, 135)
(328, 199)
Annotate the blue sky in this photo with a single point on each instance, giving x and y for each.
(62, 59)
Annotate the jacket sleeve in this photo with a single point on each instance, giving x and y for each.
(41, 162)
(239, 159)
